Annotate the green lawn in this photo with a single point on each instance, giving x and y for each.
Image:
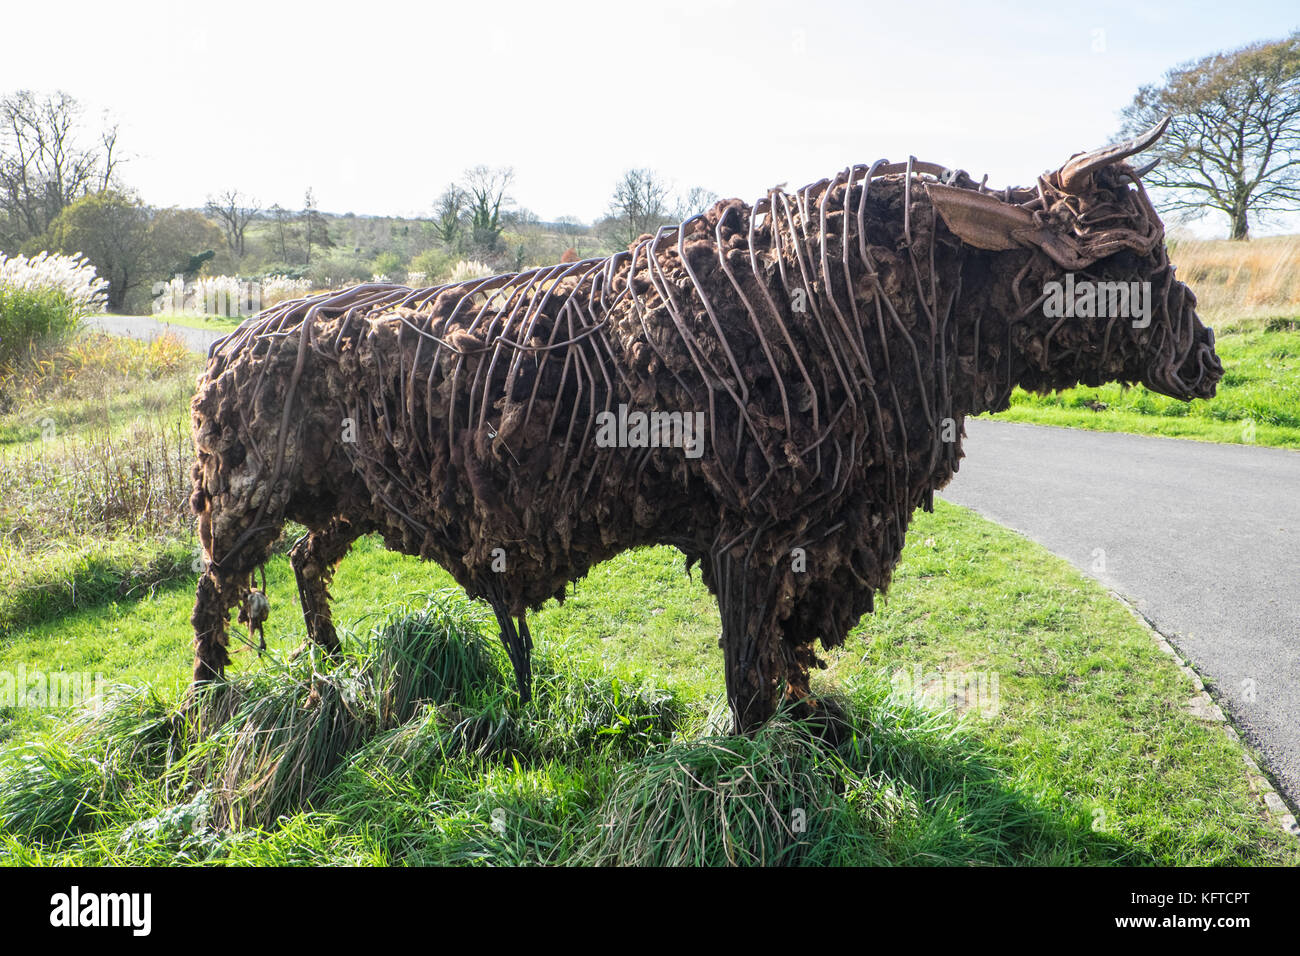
(213, 322)
(1258, 401)
(1090, 747)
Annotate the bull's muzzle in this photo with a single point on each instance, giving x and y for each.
(1195, 375)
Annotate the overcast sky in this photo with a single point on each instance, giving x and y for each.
(377, 105)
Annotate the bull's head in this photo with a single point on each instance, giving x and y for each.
(1098, 249)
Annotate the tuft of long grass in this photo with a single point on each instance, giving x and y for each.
(578, 709)
(49, 790)
(270, 742)
(769, 799)
(436, 653)
(290, 729)
(54, 787)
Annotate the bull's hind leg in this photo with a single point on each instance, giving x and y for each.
(519, 647)
(314, 558)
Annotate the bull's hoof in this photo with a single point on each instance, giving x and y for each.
(826, 717)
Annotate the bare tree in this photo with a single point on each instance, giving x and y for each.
(45, 161)
(234, 211)
(572, 230)
(695, 201)
(640, 205)
(447, 214)
(485, 194)
(283, 230)
(1233, 143)
(316, 232)
(571, 227)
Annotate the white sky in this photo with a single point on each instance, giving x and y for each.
(377, 105)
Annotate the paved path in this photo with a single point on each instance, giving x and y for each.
(1203, 539)
(143, 327)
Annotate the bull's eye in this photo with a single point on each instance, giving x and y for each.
(1125, 260)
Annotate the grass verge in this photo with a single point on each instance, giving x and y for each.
(415, 750)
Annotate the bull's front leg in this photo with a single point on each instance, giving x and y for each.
(759, 666)
(217, 594)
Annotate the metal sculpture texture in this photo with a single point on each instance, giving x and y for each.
(773, 389)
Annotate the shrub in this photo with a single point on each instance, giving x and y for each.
(770, 799)
(434, 265)
(470, 269)
(42, 301)
(338, 273)
(388, 264)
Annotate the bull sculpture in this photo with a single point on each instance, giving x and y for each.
(772, 389)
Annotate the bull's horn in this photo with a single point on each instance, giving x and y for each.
(1146, 168)
(1074, 175)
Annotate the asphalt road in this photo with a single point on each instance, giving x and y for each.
(143, 327)
(1203, 539)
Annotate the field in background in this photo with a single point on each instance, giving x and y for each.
(1258, 402)
(1241, 285)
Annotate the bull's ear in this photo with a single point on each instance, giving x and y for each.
(980, 220)
(987, 222)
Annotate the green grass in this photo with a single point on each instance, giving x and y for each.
(94, 479)
(33, 320)
(1258, 400)
(215, 323)
(97, 383)
(1090, 757)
